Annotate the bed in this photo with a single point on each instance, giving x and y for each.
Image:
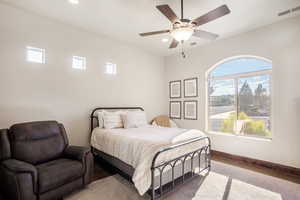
(157, 159)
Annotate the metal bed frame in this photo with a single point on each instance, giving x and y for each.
(159, 191)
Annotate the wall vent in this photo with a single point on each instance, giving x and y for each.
(289, 11)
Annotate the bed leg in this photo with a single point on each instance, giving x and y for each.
(209, 155)
(93, 151)
(152, 184)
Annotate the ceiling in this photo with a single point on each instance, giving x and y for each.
(124, 19)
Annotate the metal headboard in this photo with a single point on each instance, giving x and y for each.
(95, 117)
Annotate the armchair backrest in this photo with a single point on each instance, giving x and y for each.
(37, 142)
(4, 145)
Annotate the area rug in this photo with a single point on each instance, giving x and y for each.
(213, 187)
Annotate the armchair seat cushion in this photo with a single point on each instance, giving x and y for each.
(59, 172)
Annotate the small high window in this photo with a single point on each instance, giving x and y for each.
(36, 55)
(79, 63)
(239, 97)
(111, 68)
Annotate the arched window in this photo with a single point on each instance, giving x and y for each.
(239, 96)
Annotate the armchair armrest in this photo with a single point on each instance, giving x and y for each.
(76, 152)
(18, 174)
(84, 155)
(17, 166)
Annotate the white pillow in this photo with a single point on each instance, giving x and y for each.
(100, 119)
(112, 119)
(134, 119)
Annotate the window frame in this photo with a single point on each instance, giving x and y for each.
(235, 78)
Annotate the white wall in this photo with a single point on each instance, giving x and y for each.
(280, 43)
(55, 90)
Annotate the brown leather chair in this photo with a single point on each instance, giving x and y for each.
(37, 163)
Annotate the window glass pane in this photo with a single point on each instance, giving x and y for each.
(79, 62)
(221, 105)
(254, 106)
(35, 55)
(240, 65)
(111, 68)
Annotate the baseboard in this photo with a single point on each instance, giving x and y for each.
(259, 163)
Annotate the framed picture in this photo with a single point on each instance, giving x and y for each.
(175, 109)
(190, 87)
(190, 110)
(175, 89)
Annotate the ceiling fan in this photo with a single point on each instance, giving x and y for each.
(182, 29)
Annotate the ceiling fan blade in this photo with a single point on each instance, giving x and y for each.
(212, 15)
(154, 33)
(174, 44)
(168, 12)
(205, 35)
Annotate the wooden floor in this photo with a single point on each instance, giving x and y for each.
(263, 170)
(103, 170)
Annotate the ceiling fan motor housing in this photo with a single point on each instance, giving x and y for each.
(185, 20)
(184, 23)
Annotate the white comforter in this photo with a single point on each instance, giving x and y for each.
(137, 147)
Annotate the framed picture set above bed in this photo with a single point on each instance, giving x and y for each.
(190, 87)
(190, 110)
(175, 110)
(175, 89)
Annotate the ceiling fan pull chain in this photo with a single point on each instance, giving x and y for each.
(182, 50)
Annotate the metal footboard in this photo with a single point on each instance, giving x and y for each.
(158, 191)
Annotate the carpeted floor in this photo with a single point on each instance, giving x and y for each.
(225, 182)
(287, 189)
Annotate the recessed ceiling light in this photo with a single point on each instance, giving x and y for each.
(165, 40)
(74, 1)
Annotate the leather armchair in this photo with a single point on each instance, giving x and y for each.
(37, 163)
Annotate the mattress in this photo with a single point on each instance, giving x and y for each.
(137, 147)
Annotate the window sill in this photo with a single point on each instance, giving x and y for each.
(266, 139)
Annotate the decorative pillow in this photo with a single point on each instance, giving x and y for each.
(112, 119)
(134, 119)
(162, 120)
(172, 124)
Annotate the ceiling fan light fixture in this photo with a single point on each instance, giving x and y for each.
(165, 40)
(182, 34)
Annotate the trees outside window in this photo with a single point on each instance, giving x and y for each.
(239, 97)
